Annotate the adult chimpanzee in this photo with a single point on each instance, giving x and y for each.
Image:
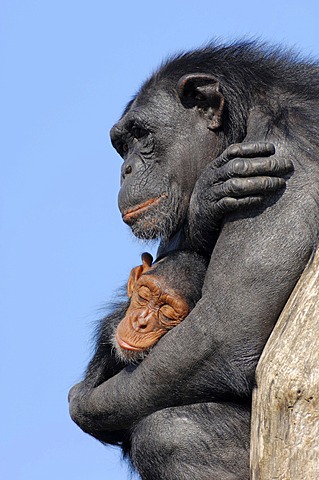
(183, 412)
(161, 296)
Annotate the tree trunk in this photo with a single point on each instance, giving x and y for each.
(285, 416)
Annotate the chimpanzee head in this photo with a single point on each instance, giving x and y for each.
(161, 296)
(193, 107)
(166, 136)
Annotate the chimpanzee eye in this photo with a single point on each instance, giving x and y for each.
(139, 132)
(144, 293)
(168, 312)
(120, 147)
(124, 148)
(141, 301)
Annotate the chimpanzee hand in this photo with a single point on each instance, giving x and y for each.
(79, 403)
(240, 177)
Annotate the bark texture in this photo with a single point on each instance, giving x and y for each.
(285, 418)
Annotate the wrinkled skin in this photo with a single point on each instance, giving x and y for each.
(154, 201)
(159, 205)
(183, 412)
(157, 301)
(154, 309)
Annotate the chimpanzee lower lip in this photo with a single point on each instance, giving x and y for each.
(126, 346)
(136, 211)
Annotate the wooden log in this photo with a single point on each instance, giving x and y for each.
(285, 411)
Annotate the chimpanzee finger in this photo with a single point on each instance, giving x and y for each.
(230, 204)
(246, 150)
(243, 187)
(245, 167)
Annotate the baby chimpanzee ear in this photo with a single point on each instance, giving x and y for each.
(136, 272)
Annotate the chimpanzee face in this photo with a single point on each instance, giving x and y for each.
(165, 143)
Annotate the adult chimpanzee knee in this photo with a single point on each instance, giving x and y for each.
(203, 441)
(176, 182)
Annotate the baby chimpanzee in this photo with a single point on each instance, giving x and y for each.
(161, 296)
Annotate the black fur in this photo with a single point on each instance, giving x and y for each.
(183, 412)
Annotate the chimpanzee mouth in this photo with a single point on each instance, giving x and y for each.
(130, 215)
(125, 345)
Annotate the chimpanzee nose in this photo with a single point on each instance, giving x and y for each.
(126, 170)
(143, 321)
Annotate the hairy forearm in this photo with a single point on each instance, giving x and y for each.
(213, 353)
(187, 366)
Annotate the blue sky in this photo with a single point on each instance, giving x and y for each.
(67, 69)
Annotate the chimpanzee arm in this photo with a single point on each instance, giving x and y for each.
(241, 177)
(213, 353)
(192, 363)
(105, 364)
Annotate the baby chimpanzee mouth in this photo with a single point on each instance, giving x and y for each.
(132, 213)
(126, 345)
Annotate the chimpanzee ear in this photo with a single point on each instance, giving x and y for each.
(202, 91)
(136, 272)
